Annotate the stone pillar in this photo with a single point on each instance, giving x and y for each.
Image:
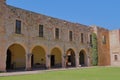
(28, 61)
(3, 39)
(88, 60)
(63, 60)
(2, 59)
(48, 56)
(77, 60)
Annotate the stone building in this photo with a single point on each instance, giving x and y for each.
(29, 40)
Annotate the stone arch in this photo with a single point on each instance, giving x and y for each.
(38, 58)
(42, 46)
(70, 58)
(19, 43)
(56, 57)
(83, 58)
(15, 57)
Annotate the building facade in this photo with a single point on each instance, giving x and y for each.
(30, 40)
(115, 47)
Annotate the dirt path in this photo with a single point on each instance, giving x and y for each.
(30, 72)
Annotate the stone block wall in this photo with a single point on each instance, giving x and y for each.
(103, 46)
(115, 47)
(29, 37)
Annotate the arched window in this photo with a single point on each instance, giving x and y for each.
(104, 39)
(115, 57)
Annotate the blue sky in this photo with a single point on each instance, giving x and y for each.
(103, 13)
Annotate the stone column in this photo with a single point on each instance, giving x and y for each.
(88, 60)
(28, 61)
(63, 60)
(3, 57)
(2, 62)
(48, 56)
(77, 60)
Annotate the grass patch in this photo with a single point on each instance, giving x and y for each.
(97, 73)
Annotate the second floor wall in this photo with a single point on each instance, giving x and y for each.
(27, 25)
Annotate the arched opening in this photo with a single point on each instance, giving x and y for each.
(82, 58)
(56, 58)
(32, 60)
(15, 58)
(70, 58)
(38, 59)
(8, 61)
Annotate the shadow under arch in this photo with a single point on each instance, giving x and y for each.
(56, 58)
(38, 58)
(82, 58)
(70, 58)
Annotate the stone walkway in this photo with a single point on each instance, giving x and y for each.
(31, 72)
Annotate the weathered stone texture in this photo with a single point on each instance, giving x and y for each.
(103, 49)
(115, 47)
(29, 37)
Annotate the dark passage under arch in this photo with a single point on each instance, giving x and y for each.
(82, 62)
(82, 58)
(8, 61)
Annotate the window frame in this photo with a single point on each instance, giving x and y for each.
(70, 35)
(82, 38)
(116, 57)
(41, 30)
(104, 39)
(18, 25)
(90, 38)
(57, 33)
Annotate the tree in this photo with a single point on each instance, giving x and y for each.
(94, 50)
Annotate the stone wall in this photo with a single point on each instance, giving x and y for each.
(29, 37)
(2, 35)
(115, 47)
(103, 46)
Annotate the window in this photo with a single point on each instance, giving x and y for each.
(104, 39)
(90, 39)
(18, 27)
(81, 37)
(115, 57)
(40, 30)
(56, 33)
(70, 35)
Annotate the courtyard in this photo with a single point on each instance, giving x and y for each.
(92, 73)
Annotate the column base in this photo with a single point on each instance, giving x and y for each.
(3, 70)
(28, 69)
(47, 67)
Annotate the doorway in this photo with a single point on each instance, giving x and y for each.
(8, 61)
(52, 60)
(32, 60)
(82, 58)
(70, 59)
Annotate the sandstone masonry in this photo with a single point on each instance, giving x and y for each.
(62, 44)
